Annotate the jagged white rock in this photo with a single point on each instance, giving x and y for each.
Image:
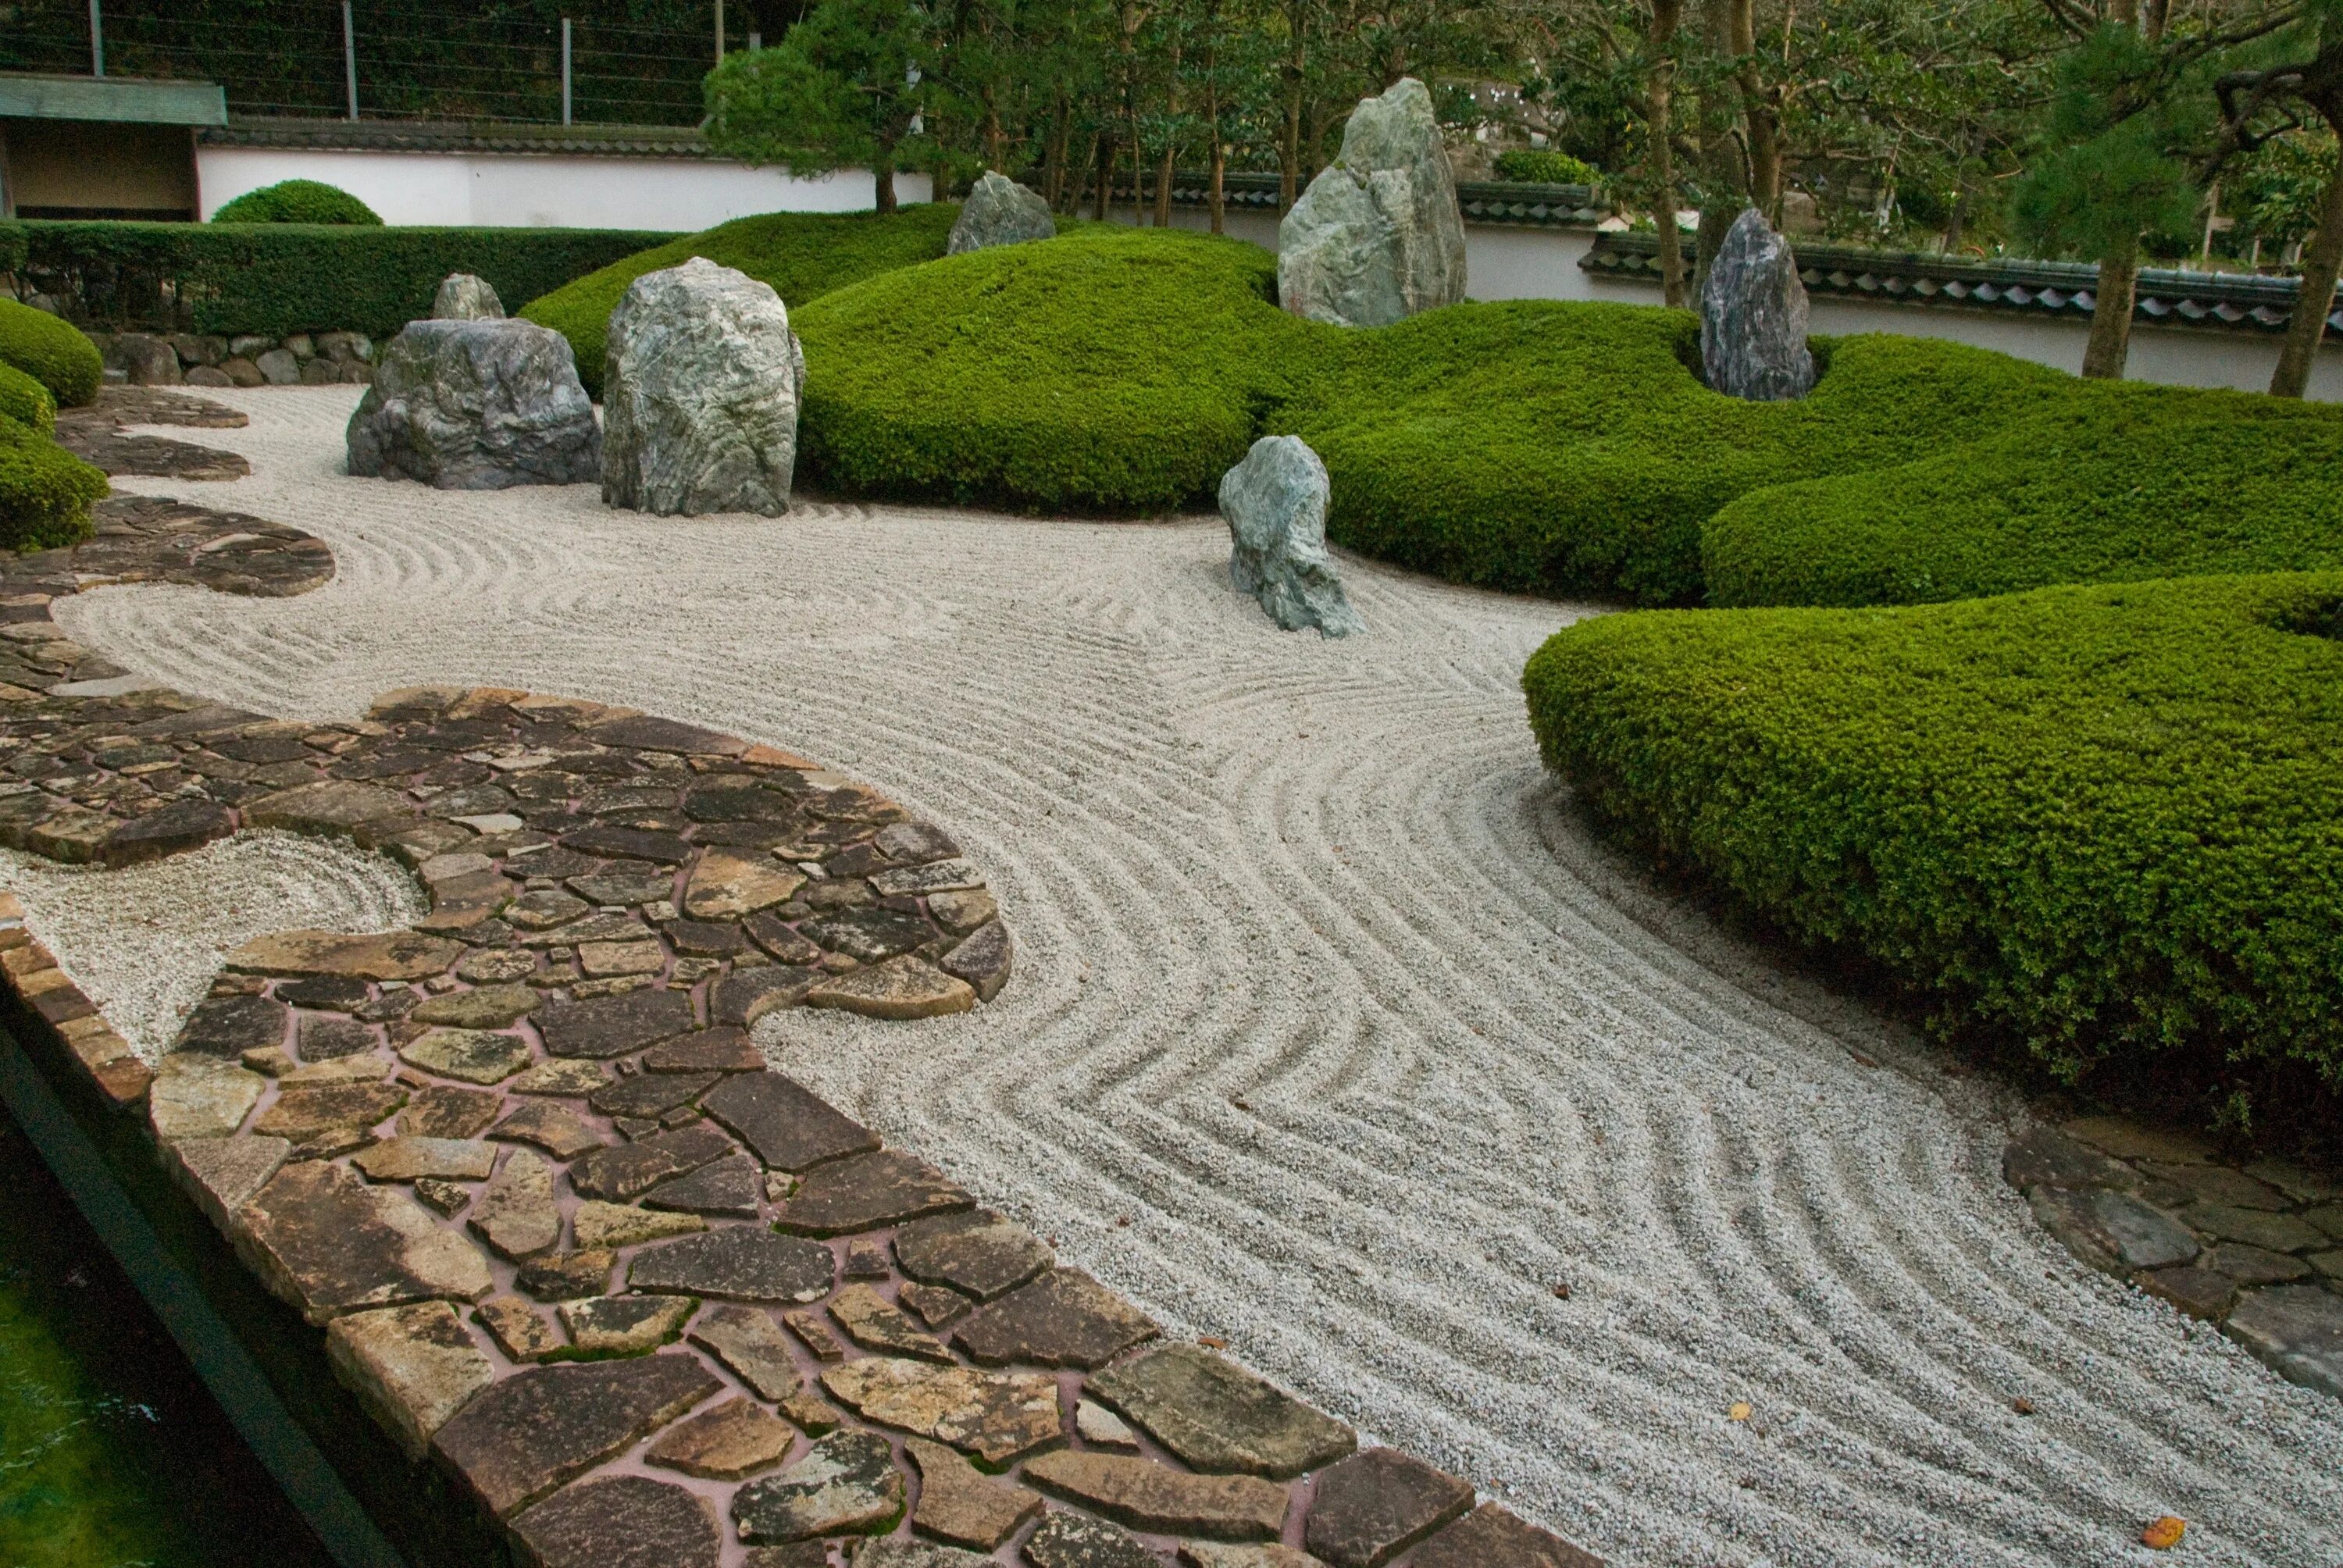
(700, 398)
(1378, 237)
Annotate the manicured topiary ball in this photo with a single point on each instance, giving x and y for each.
(297, 201)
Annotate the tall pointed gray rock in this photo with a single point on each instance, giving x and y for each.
(1275, 504)
(1752, 316)
(1378, 237)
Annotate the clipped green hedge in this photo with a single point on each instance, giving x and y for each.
(2105, 821)
(2106, 482)
(275, 279)
(803, 255)
(25, 400)
(45, 492)
(1108, 369)
(52, 352)
(297, 201)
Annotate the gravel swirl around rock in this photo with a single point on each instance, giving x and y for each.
(1323, 992)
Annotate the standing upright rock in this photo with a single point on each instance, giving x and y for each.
(464, 297)
(1000, 211)
(700, 399)
(1275, 504)
(1378, 235)
(476, 406)
(1752, 316)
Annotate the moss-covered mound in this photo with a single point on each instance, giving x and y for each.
(802, 255)
(2100, 483)
(297, 201)
(1115, 370)
(25, 400)
(2105, 821)
(1569, 447)
(45, 492)
(52, 352)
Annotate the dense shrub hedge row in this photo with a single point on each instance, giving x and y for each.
(802, 255)
(45, 492)
(275, 279)
(2107, 821)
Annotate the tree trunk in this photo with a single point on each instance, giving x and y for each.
(2322, 260)
(882, 175)
(1106, 154)
(1294, 72)
(2110, 343)
(1720, 153)
(1757, 116)
(1215, 199)
(1666, 17)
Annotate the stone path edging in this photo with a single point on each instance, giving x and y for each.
(2255, 1248)
(777, 1339)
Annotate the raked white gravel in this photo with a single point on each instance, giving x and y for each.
(1332, 1033)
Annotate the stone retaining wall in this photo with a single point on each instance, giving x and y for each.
(197, 359)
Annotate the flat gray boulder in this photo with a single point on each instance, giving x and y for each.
(1752, 316)
(1000, 211)
(476, 406)
(1275, 504)
(1378, 237)
(699, 400)
(464, 297)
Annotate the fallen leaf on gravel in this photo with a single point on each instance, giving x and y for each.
(2164, 1533)
(1741, 1410)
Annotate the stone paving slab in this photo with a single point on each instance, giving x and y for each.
(477, 1228)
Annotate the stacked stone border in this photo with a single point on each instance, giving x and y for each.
(647, 1302)
(2256, 1247)
(244, 359)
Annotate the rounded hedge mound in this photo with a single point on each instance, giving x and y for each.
(1107, 370)
(53, 353)
(297, 201)
(1569, 447)
(2105, 821)
(25, 400)
(2104, 483)
(45, 492)
(803, 255)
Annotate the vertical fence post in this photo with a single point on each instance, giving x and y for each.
(719, 32)
(96, 41)
(565, 70)
(756, 40)
(350, 58)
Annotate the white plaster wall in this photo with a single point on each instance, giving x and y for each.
(1507, 263)
(537, 191)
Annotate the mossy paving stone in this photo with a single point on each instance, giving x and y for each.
(229, 1026)
(395, 956)
(329, 1244)
(786, 1125)
(732, 1186)
(1215, 1416)
(483, 1007)
(406, 1158)
(522, 1437)
(744, 996)
(1146, 1495)
(601, 1224)
(746, 1340)
(626, 1171)
(221, 1173)
(724, 1049)
(444, 1110)
(934, 1305)
(516, 1213)
(1064, 1319)
(305, 1112)
(624, 1325)
(169, 830)
(413, 1367)
(1220, 1555)
(1491, 1537)
(330, 993)
(1074, 1541)
(900, 988)
(869, 1191)
(564, 1078)
(628, 844)
(552, 1128)
(737, 1264)
(605, 1027)
(2297, 1329)
(567, 1276)
(1372, 1506)
(622, 1521)
(519, 1330)
(980, 1252)
(846, 1484)
(996, 1416)
(475, 1056)
(897, 1553)
(880, 1327)
(650, 1094)
(2112, 1230)
(982, 961)
(193, 1096)
(960, 1504)
(724, 886)
(324, 1039)
(731, 1442)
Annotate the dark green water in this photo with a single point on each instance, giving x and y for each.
(112, 1454)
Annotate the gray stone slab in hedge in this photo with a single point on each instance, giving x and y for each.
(1752, 316)
(1218, 1417)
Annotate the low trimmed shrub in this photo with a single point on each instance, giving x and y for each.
(45, 492)
(297, 201)
(2105, 821)
(802, 255)
(2107, 482)
(25, 400)
(276, 280)
(1543, 166)
(1107, 370)
(1561, 448)
(52, 352)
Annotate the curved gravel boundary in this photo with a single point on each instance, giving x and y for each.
(1334, 1038)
